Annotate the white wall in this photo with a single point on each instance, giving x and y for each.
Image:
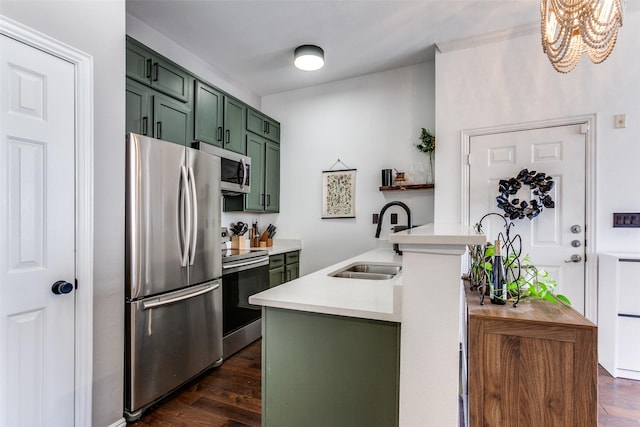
(370, 123)
(98, 28)
(513, 82)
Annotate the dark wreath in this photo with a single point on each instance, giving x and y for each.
(540, 184)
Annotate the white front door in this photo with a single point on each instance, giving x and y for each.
(557, 234)
(37, 234)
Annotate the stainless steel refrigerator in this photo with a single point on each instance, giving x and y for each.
(173, 294)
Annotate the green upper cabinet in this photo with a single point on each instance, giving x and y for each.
(149, 68)
(208, 114)
(138, 108)
(262, 125)
(154, 114)
(171, 120)
(272, 177)
(256, 151)
(234, 119)
(265, 178)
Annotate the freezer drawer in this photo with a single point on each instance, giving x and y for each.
(170, 338)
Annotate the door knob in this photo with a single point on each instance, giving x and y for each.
(576, 243)
(575, 229)
(574, 258)
(61, 287)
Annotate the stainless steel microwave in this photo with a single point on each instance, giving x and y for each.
(235, 171)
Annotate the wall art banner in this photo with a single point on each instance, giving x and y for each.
(339, 193)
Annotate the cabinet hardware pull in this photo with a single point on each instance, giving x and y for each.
(155, 72)
(219, 133)
(145, 125)
(148, 71)
(228, 134)
(265, 126)
(268, 199)
(159, 130)
(262, 199)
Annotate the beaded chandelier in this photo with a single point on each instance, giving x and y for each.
(572, 27)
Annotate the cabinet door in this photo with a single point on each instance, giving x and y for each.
(170, 79)
(273, 130)
(138, 63)
(234, 119)
(171, 120)
(256, 150)
(276, 276)
(256, 122)
(209, 104)
(272, 177)
(137, 110)
(291, 272)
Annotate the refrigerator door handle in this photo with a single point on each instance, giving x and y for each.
(184, 216)
(159, 302)
(194, 216)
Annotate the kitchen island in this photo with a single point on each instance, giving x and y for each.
(425, 298)
(331, 348)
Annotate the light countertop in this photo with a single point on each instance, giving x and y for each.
(281, 246)
(319, 293)
(439, 234)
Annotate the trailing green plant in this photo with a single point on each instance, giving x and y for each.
(531, 283)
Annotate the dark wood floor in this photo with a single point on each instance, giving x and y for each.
(229, 396)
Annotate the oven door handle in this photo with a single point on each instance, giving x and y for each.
(244, 263)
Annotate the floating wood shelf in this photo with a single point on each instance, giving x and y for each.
(406, 187)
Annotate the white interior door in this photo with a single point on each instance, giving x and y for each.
(37, 234)
(551, 238)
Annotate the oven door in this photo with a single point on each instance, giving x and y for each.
(237, 287)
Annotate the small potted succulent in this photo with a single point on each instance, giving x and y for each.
(427, 145)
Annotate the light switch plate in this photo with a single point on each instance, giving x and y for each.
(621, 121)
(629, 220)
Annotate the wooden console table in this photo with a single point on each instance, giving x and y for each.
(533, 365)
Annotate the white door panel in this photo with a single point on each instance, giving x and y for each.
(558, 152)
(37, 235)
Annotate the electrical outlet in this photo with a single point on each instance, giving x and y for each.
(629, 220)
(375, 218)
(394, 218)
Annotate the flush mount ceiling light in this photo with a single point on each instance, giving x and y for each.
(573, 27)
(308, 57)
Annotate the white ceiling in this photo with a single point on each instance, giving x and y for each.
(252, 41)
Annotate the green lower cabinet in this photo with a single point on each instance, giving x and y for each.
(328, 371)
(283, 268)
(276, 276)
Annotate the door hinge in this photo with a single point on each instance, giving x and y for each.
(468, 159)
(76, 283)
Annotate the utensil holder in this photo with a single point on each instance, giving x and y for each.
(238, 242)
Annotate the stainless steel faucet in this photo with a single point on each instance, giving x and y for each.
(387, 206)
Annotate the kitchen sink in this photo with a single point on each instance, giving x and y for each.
(368, 271)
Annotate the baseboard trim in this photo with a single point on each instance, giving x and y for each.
(120, 423)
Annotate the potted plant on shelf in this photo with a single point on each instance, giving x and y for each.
(428, 145)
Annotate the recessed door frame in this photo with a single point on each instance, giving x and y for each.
(83, 82)
(589, 123)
